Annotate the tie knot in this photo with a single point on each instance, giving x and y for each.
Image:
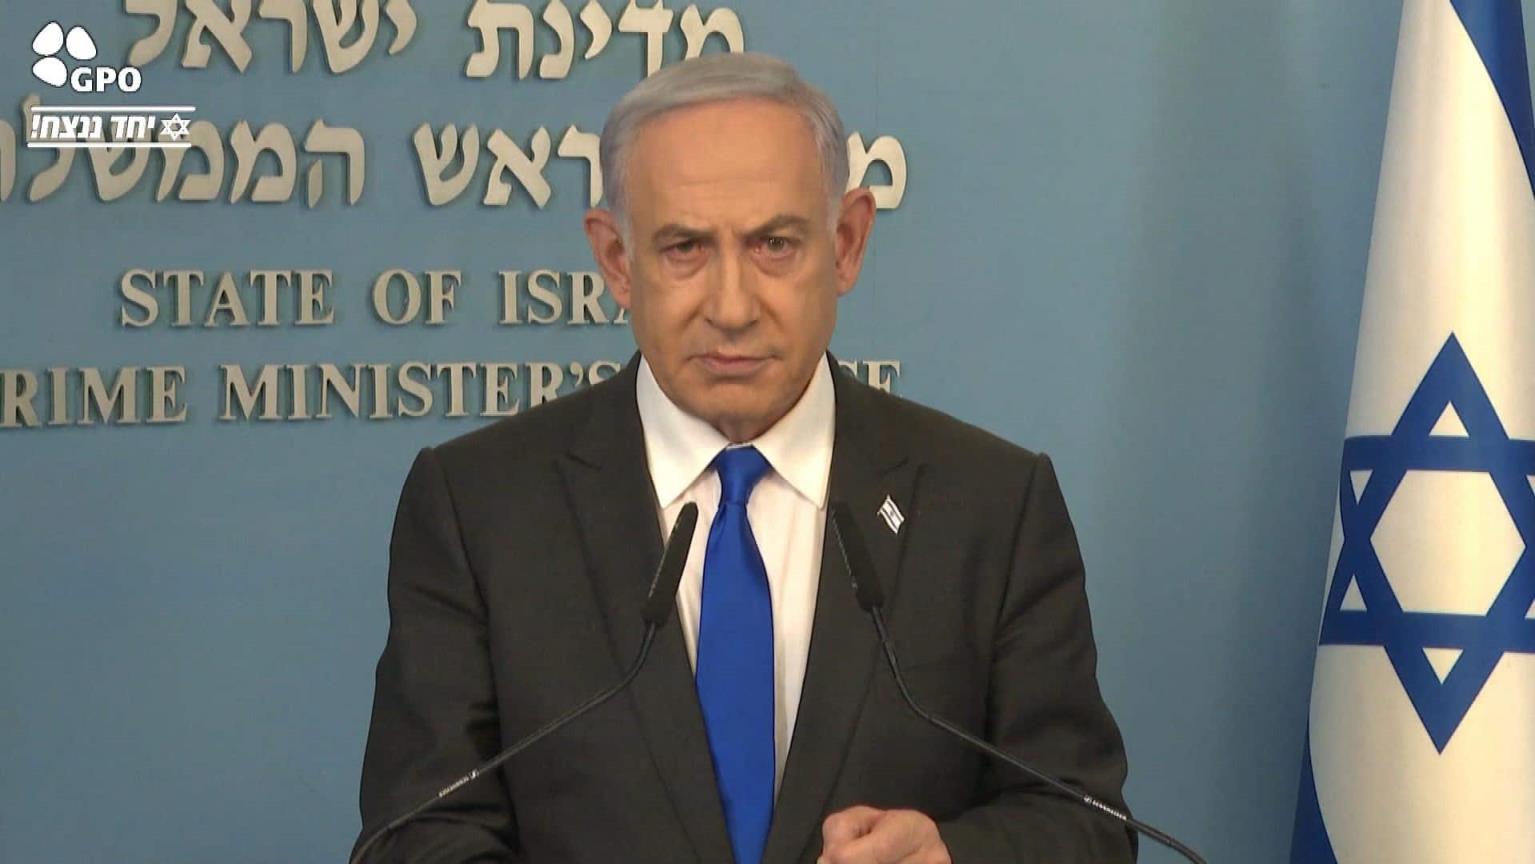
(739, 468)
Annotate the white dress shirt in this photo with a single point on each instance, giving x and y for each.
(787, 511)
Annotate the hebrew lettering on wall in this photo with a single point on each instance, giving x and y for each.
(491, 20)
(435, 159)
(584, 146)
(340, 141)
(240, 158)
(48, 181)
(7, 159)
(275, 139)
(449, 161)
(887, 150)
(527, 169)
(514, 167)
(303, 160)
(349, 29)
(227, 30)
(246, 162)
(195, 187)
(113, 182)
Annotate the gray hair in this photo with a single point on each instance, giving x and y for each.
(718, 78)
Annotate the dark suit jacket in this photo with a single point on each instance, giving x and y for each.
(520, 559)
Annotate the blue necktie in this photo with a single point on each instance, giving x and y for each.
(735, 659)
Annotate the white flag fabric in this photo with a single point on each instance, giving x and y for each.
(1421, 741)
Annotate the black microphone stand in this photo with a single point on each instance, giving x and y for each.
(994, 752)
(860, 567)
(658, 605)
(514, 749)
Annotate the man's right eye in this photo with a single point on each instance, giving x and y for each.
(684, 251)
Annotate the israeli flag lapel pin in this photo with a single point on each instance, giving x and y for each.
(892, 515)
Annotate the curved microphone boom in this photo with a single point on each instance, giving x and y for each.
(860, 567)
(659, 602)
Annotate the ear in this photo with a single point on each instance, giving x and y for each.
(855, 220)
(607, 243)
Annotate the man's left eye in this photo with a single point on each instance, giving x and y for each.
(777, 245)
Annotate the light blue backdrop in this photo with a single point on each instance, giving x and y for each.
(1134, 237)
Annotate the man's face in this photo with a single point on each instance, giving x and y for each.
(733, 266)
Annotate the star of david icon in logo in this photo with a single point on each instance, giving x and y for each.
(1362, 607)
(175, 128)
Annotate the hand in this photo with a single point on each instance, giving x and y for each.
(865, 835)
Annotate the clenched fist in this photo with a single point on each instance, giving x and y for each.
(865, 835)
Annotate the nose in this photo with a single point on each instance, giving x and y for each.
(732, 304)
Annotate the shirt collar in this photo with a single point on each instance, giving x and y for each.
(679, 446)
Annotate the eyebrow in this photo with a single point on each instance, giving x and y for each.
(779, 223)
(677, 231)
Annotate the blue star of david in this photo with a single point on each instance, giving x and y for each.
(1482, 639)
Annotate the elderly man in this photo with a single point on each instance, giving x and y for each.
(763, 728)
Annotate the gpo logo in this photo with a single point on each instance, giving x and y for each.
(81, 47)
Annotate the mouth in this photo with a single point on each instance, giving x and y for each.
(730, 365)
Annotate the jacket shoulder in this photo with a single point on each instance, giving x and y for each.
(942, 440)
(536, 435)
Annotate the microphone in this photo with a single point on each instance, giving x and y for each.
(659, 601)
(860, 567)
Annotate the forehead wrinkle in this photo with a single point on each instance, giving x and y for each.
(735, 210)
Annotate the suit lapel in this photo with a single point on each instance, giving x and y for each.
(614, 501)
(868, 464)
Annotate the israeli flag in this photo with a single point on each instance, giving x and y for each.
(1421, 744)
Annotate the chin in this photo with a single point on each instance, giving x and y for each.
(722, 411)
(731, 413)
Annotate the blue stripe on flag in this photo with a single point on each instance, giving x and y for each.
(1310, 845)
(1496, 28)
